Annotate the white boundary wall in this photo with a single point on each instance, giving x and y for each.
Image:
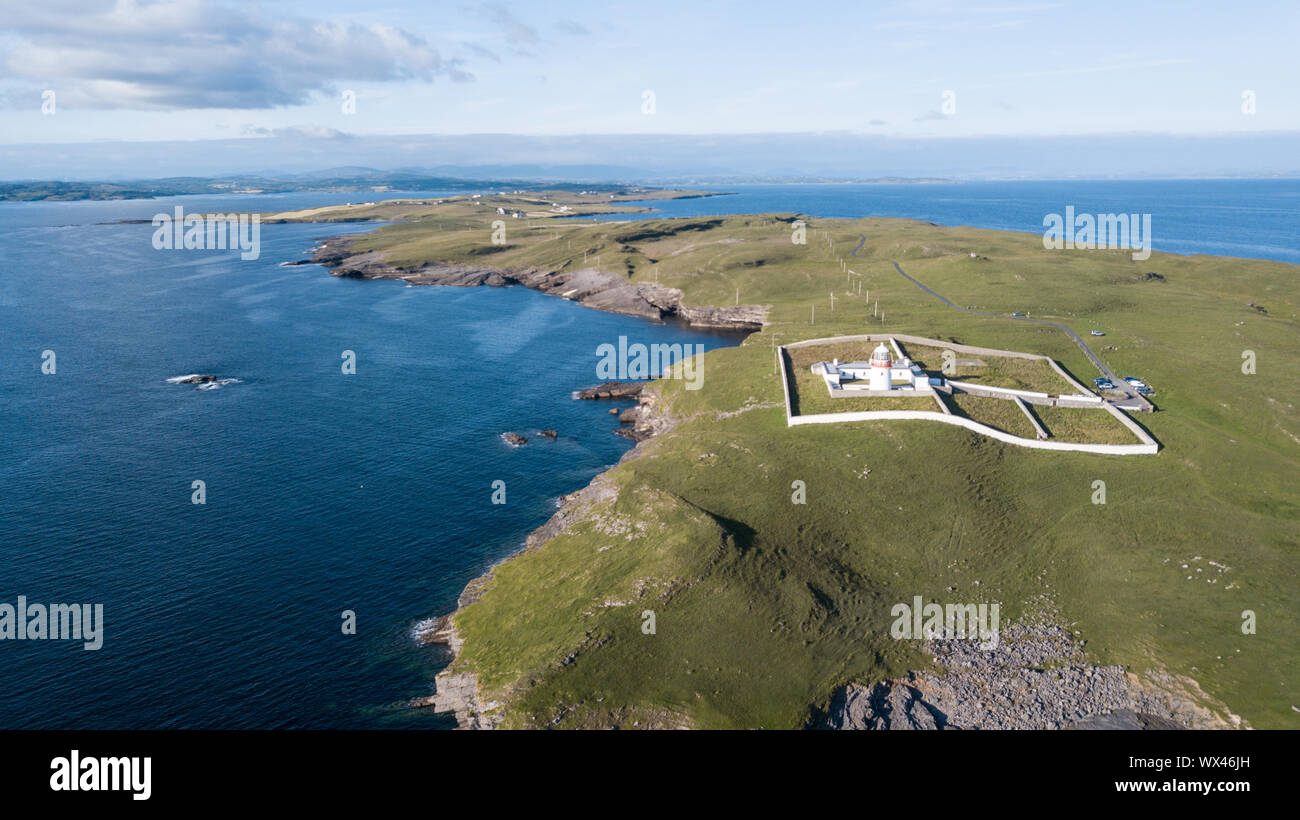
(1149, 446)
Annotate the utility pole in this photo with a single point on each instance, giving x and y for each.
(832, 301)
(814, 314)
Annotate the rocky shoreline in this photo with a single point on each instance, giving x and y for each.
(591, 288)
(457, 693)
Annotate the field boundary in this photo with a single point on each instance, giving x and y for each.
(1147, 445)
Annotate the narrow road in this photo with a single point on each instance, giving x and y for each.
(1131, 400)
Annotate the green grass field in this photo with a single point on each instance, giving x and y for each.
(763, 606)
(999, 414)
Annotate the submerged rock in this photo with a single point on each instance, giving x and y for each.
(514, 439)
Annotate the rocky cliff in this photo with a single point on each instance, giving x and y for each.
(601, 290)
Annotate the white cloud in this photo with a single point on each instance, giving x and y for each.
(177, 54)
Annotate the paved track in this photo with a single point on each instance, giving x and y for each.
(1131, 400)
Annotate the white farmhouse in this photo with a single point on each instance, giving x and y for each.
(885, 371)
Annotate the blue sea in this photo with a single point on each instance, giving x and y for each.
(327, 492)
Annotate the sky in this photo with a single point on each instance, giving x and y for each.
(181, 70)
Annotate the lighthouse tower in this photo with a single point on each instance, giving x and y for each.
(881, 362)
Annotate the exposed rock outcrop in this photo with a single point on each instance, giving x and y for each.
(612, 390)
(1036, 678)
(601, 290)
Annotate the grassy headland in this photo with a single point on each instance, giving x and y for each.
(762, 606)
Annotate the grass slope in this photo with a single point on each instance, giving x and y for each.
(763, 605)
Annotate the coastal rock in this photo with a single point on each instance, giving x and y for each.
(442, 631)
(204, 381)
(551, 434)
(514, 439)
(458, 695)
(612, 390)
(632, 433)
(602, 290)
(629, 415)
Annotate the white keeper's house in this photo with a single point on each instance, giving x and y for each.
(886, 370)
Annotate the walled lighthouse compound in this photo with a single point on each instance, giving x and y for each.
(888, 372)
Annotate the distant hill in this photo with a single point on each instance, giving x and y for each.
(334, 179)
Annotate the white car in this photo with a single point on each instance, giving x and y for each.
(1135, 382)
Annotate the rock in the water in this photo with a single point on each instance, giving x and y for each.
(612, 390)
(629, 415)
(514, 439)
(633, 434)
(551, 434)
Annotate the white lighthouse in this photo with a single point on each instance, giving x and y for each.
(887, 370)
(881, 364)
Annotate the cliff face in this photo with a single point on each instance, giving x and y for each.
(601, 290)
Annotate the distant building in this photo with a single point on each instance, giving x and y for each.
(501, 210)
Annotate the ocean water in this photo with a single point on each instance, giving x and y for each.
(329, 492)
(325, 492)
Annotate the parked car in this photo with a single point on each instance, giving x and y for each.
(1098, 333)
(1146, 391)
(1017, 313)
(1104, 384)
(1134, 381)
